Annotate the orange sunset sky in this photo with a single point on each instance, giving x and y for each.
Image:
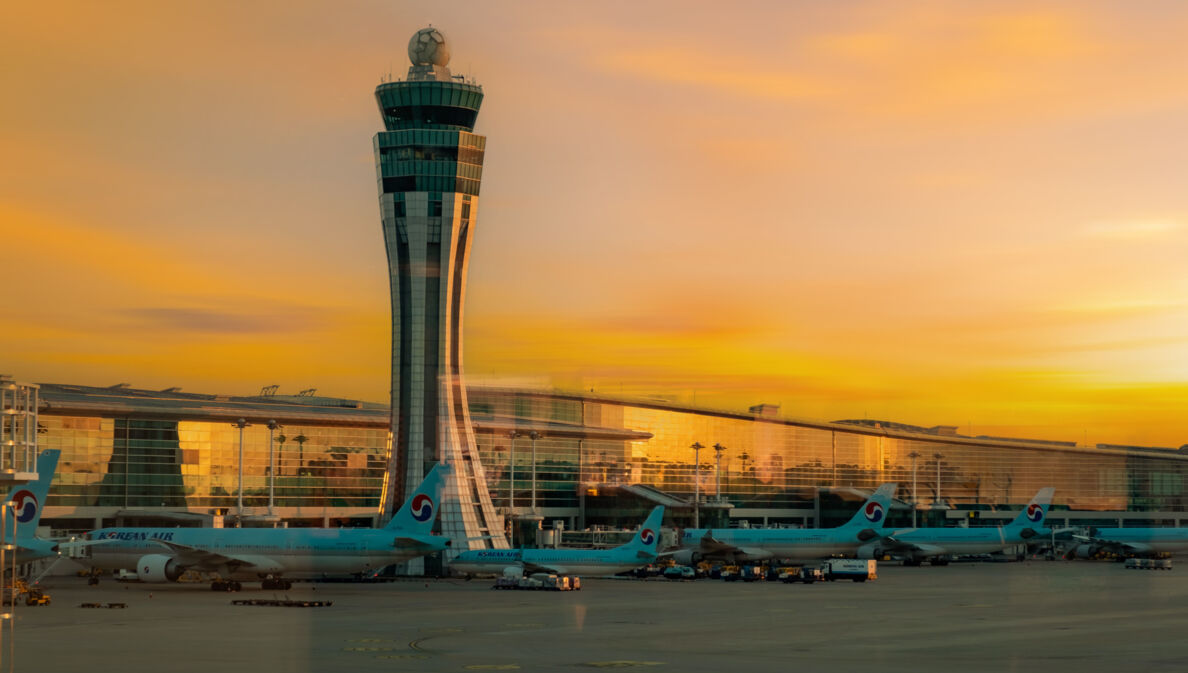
(972, 214)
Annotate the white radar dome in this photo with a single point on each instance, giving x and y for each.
(428, 47)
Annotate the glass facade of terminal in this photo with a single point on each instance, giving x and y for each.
(771, 469)
(772, 464)
(128, 463)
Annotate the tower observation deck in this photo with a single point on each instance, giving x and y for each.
(429, 167)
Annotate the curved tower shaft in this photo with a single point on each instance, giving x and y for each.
(429, 165)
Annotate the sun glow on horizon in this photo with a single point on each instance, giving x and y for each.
(926, 213)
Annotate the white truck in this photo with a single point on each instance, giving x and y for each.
(538, 581)
(858, 570)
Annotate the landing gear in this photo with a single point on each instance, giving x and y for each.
(278, 584)
(911, 562)
(220, 585)
(939, 561)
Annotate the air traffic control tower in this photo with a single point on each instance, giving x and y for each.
(429, 165)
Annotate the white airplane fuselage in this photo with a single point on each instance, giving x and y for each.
(287, 551)
(962, 540)
(1160, 540)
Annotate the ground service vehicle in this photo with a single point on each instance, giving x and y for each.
(806, 575)
(539, 581)
(858, 570)
(1148, 564)
(751, 573)
(680, 573)
(32, 595)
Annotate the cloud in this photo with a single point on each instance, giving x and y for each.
(219, 322)
(993, 64)
(1136, 229)
(694, 67)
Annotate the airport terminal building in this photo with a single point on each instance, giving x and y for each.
(144, 457)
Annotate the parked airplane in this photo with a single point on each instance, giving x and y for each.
(164, 554)
(1132, 541)
(757, 544)
(937, 544)
(592, 562)
(28, 502)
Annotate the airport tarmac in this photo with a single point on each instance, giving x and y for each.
(1032, 616)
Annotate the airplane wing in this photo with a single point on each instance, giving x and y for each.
(542, 568)
(711, 545)
(195, 557)
(893, 545)
(1113, 546)
(407, 541)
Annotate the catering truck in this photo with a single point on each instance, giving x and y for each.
(858, 570)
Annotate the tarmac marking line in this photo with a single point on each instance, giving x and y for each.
(368, 649)
(526, 624)
(621, 664)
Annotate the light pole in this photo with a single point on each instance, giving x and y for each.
(241, 424)
(511, 466)
(534, 435)
(697, 447)
(718, 449)
(938, 457)
(281, 439)
(913, 455)
(272, 426)
(511, 485)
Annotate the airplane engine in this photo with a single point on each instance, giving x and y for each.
(870, 551)
(158, 568)
(686, 557)
(1085, 551)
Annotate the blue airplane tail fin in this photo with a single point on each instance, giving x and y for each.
(647, 538)
(417, 514)
(1033, 514)
(29, 499)
(873, 513)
